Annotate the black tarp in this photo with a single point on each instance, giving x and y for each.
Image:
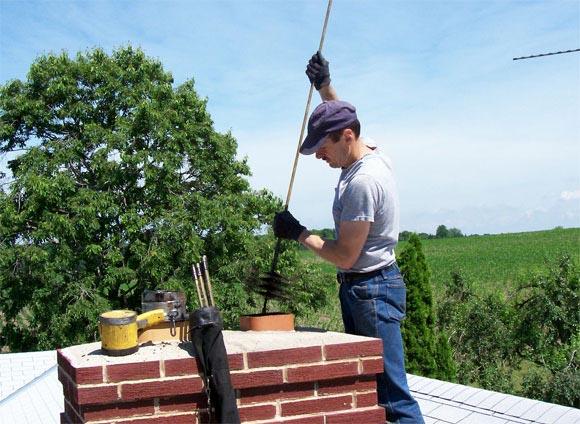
(206, 334)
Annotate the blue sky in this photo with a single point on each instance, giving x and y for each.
(479, 142)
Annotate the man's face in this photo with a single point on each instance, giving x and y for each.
(333, 153)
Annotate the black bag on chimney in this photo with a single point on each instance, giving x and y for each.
(206, 334)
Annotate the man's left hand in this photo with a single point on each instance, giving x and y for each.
(318, 71)
(286, 226)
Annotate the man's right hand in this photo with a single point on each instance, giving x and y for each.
(286, 226)
(317, 71)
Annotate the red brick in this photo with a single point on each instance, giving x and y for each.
(353, 350)
(67, 389)
(366, 382)
(337, 385)
(347, 384)
(63, 377)
(315, 419)
(243, 380)
(275, 358)
(183, 403)
(236, 361)
(284, 391)
(312, 406)
(63, 361)
(136, 371)
(322, 372)
(366, 399)
(186, 366)
(96, 394)
(117, 410)
(161, 388)
(258, 412)
(81, 375)
(372, 366)
(89, 375)
(165, 419)
(370, 416)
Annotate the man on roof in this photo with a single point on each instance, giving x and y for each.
(366, 218)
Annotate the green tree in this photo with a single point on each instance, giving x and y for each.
(404, 235)
(121, 183)
(442, 232)
(426, 351)
(455, 232)
(481, 335)
(548, 332)
(326, 233)
(524, 344)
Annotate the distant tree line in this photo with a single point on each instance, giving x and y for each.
(441, 232)
(325, 233)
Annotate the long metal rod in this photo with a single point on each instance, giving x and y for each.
(207, 281)
(306, 110)
(200, 277)
(546, 54)
(297, 155)
(197, 288)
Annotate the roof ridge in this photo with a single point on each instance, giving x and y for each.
(29, 384)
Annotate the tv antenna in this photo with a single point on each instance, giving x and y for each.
(546, 54)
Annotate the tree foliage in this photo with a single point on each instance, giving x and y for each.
(426, 350)
(325, 233)
(524, 343)
(481, 335)
(548, 332)
(443, 232)
(120, 185)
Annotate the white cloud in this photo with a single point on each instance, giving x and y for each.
(570, 195)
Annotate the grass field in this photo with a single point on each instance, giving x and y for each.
(497, 262)
(489, 263)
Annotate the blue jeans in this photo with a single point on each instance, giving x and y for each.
(374, 307)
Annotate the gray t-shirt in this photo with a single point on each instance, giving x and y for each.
(367, 191)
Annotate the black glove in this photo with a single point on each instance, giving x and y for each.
(286, 226)
(317, 71)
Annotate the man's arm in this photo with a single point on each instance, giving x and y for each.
(343, 252)
(328, 93)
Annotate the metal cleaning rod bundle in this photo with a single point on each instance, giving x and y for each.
(200, 274)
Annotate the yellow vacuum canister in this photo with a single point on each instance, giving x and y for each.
(119, 330)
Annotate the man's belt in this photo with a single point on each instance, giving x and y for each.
(351, 277)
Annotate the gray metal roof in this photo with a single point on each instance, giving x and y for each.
(448, 403)
(18, 369)
(31, 393)
(39, 401)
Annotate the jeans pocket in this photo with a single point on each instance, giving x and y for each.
(365, 290)
(396, 303)
(363, 303)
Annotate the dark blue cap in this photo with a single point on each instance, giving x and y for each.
(328, 117)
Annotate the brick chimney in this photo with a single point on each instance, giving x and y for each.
(288, 377)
